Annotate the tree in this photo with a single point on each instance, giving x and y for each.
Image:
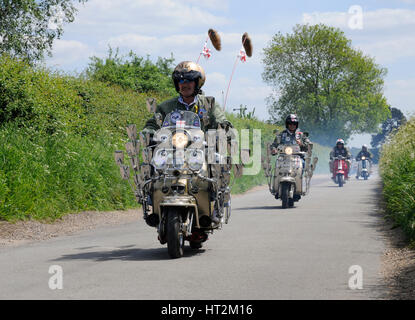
(333, 88)
(29, 27)
(390, 125)
(134, 72)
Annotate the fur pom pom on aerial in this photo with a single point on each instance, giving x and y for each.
(247, 44)
(215, 39)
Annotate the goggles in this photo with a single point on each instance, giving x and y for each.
(184, 77)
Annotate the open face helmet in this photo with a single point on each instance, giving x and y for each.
(364, 147)
(189, 71)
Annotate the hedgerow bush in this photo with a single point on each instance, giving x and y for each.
(57, 138)
(133, 72)
(397, 169)
(45, 176)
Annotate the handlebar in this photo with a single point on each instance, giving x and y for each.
(301, 153)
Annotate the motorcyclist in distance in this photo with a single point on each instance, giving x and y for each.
(363, 153)
(340, 150)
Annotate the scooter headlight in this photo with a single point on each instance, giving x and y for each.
(288, 150)
(196, 160)
(363, 158)
(160, 160)
(180, 140)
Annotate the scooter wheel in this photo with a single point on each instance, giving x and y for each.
(175, 238)
(285, 189)
(340, 180)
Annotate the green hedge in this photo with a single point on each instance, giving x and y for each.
(397, 169)
(43, 177)
(57, 138)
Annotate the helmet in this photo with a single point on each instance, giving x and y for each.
(339, 141)
(188, 70)
(364, 146)
(291, 119)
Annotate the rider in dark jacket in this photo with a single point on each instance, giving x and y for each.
(341, 150)
(291, 135)
(364, 152)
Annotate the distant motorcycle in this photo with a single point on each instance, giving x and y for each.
(340, 169)
(363, 168)
(286, 180)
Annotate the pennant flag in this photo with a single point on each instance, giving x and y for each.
(206, 51)
(242, 55)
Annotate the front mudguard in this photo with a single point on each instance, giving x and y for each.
(287, 180)
(294, 180)
(183, 201)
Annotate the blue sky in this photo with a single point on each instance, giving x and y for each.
(159, 27)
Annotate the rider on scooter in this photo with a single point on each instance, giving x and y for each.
(363, 153)
(340, 150)
(291, 135)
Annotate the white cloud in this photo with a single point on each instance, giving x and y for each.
(144, 16)
(373, 20)
(336, 19)
(188, 47)
(390, 50)
(387, 34)
(389, 18)
(217, 80)
(210, 4)
(401, 94)
(183, 46)
(243, 90)
(68, 52)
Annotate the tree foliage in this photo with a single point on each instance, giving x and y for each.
(134, 72)
(390, 125)
(334, 89)
(29, 27)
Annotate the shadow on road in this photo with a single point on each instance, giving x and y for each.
(135, 254)
(259, 208)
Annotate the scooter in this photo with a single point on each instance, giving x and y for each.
(286, 180)
(340, 170)
(363, 168)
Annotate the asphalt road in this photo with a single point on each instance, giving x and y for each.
(265, 252)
